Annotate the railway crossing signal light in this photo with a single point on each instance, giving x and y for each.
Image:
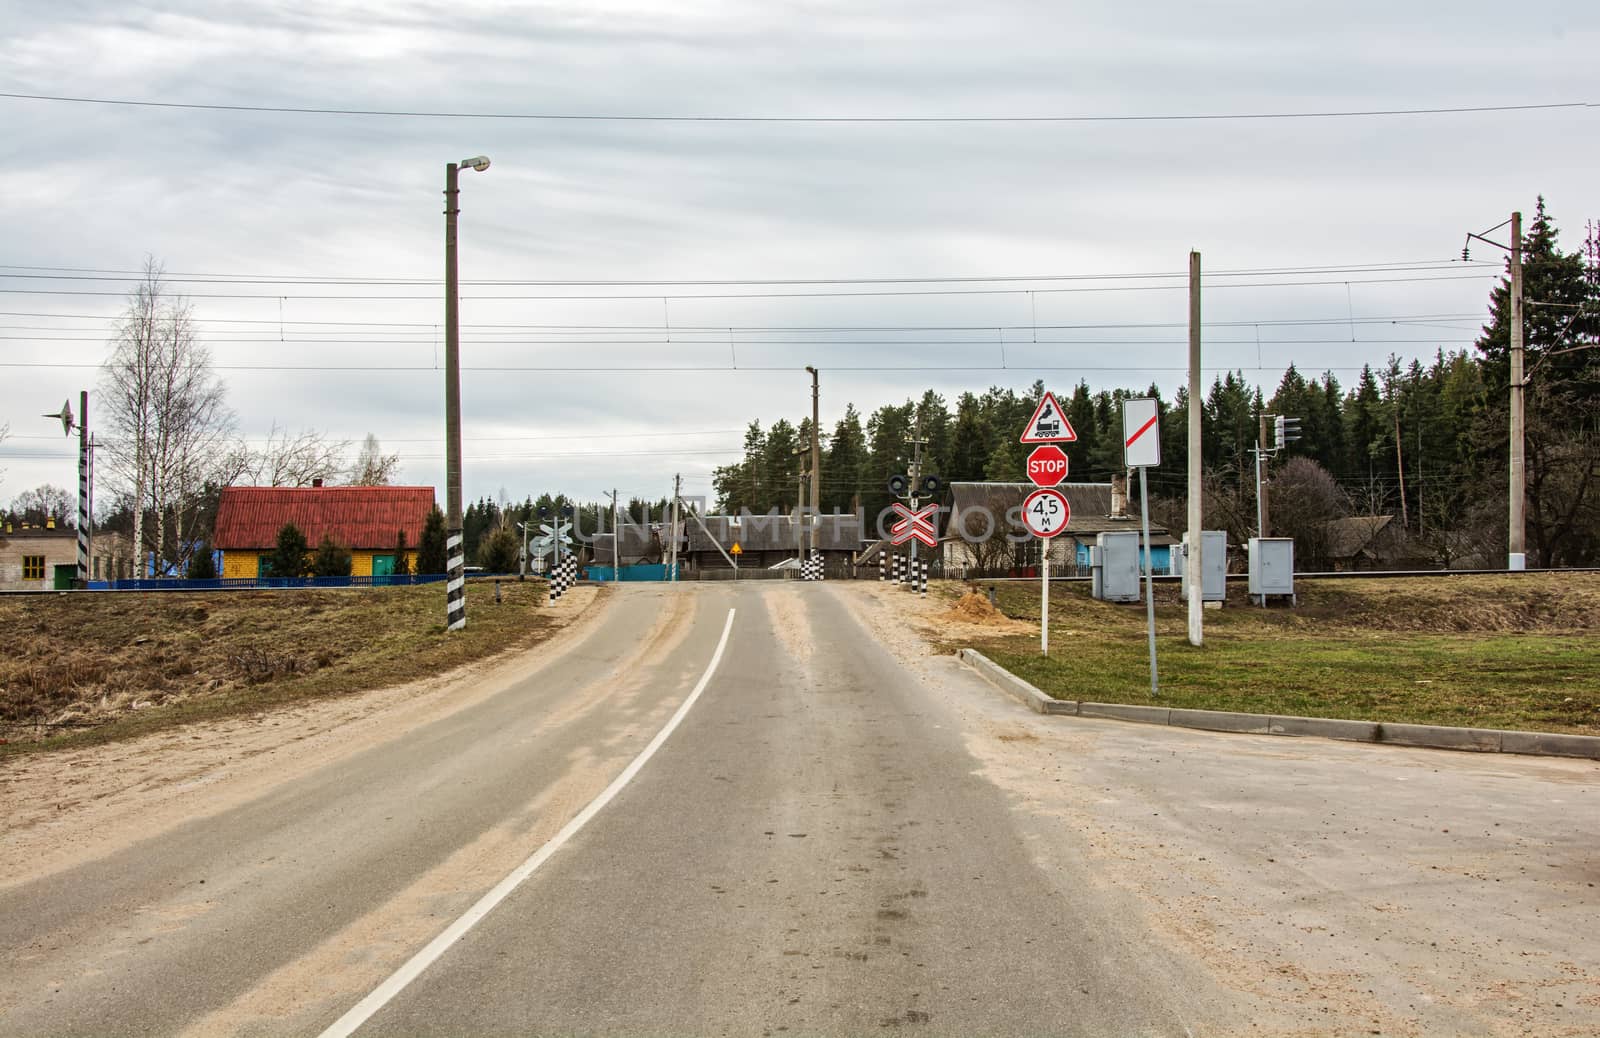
(1287, 429)
(898, 485)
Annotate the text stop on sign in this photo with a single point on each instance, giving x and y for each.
(1047, 465)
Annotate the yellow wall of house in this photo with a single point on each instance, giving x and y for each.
(239, 565)
(242, 564)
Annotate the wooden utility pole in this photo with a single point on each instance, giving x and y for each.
(1192, 557)
(1518, 557)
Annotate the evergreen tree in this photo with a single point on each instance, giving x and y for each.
(203, 563)
(402, 557)
(498, 552)
(431, 548)
(842, 468)
(969, 443)
(332, 559)
(288, 560)
(1561, 321)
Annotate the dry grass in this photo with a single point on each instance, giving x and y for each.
(1479, 651)
(86, 668)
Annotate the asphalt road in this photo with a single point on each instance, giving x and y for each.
(837, 839)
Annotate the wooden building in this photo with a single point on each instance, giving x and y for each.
(366, 520)
(767, 541)
(985, 535)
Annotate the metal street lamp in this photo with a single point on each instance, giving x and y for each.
(455, 567)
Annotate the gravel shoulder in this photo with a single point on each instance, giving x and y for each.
(1340, 889)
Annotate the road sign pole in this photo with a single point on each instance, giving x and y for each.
(1044, 598)
(1149, 578)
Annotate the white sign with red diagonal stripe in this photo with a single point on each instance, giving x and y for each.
(1141, 433)
(915, 525)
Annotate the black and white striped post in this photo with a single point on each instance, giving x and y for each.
(883, 567)
(455, 592)
(84, 508)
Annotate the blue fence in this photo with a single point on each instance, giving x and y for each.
(270, 583)
(605, 574)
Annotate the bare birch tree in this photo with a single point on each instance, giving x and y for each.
(373, 468)
(289, 461)
(167, 415)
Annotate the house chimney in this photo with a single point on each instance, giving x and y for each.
(49, 522)
(316, 482)
(1119, 496)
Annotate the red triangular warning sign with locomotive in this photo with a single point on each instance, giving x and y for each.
(1049, 424)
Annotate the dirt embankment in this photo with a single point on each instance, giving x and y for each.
(87, 666)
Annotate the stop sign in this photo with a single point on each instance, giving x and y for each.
(1047, 465)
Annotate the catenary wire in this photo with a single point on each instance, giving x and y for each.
(867, 119)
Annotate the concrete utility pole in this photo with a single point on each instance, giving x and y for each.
(1192, 558)
(816, 462)
(455, 556)
(672, 531)
(1518, 557)
(916, 442)
(616, 540)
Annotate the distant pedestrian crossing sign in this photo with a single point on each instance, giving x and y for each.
(1049, 424)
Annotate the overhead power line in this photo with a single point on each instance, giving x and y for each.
(808, 328)
(843, 119)
(591, 297)
(96, 274)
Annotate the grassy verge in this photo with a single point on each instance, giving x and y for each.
(114, 666)
(1486, 652)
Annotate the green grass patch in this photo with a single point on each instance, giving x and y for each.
(1486, 652)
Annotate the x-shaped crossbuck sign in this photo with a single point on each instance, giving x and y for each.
(915, 525)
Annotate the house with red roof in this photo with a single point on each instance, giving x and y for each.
(366, 520)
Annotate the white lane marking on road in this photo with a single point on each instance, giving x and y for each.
(362, 1011)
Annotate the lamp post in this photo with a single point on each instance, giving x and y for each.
(455, 565)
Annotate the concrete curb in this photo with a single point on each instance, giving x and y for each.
(1014, 686)
(1425, 736)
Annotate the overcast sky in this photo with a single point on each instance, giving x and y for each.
(278, 195)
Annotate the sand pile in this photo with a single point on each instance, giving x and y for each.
(975, 608)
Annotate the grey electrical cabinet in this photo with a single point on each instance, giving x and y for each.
(1119, 566)
(1213, 566)
(1271, 567)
